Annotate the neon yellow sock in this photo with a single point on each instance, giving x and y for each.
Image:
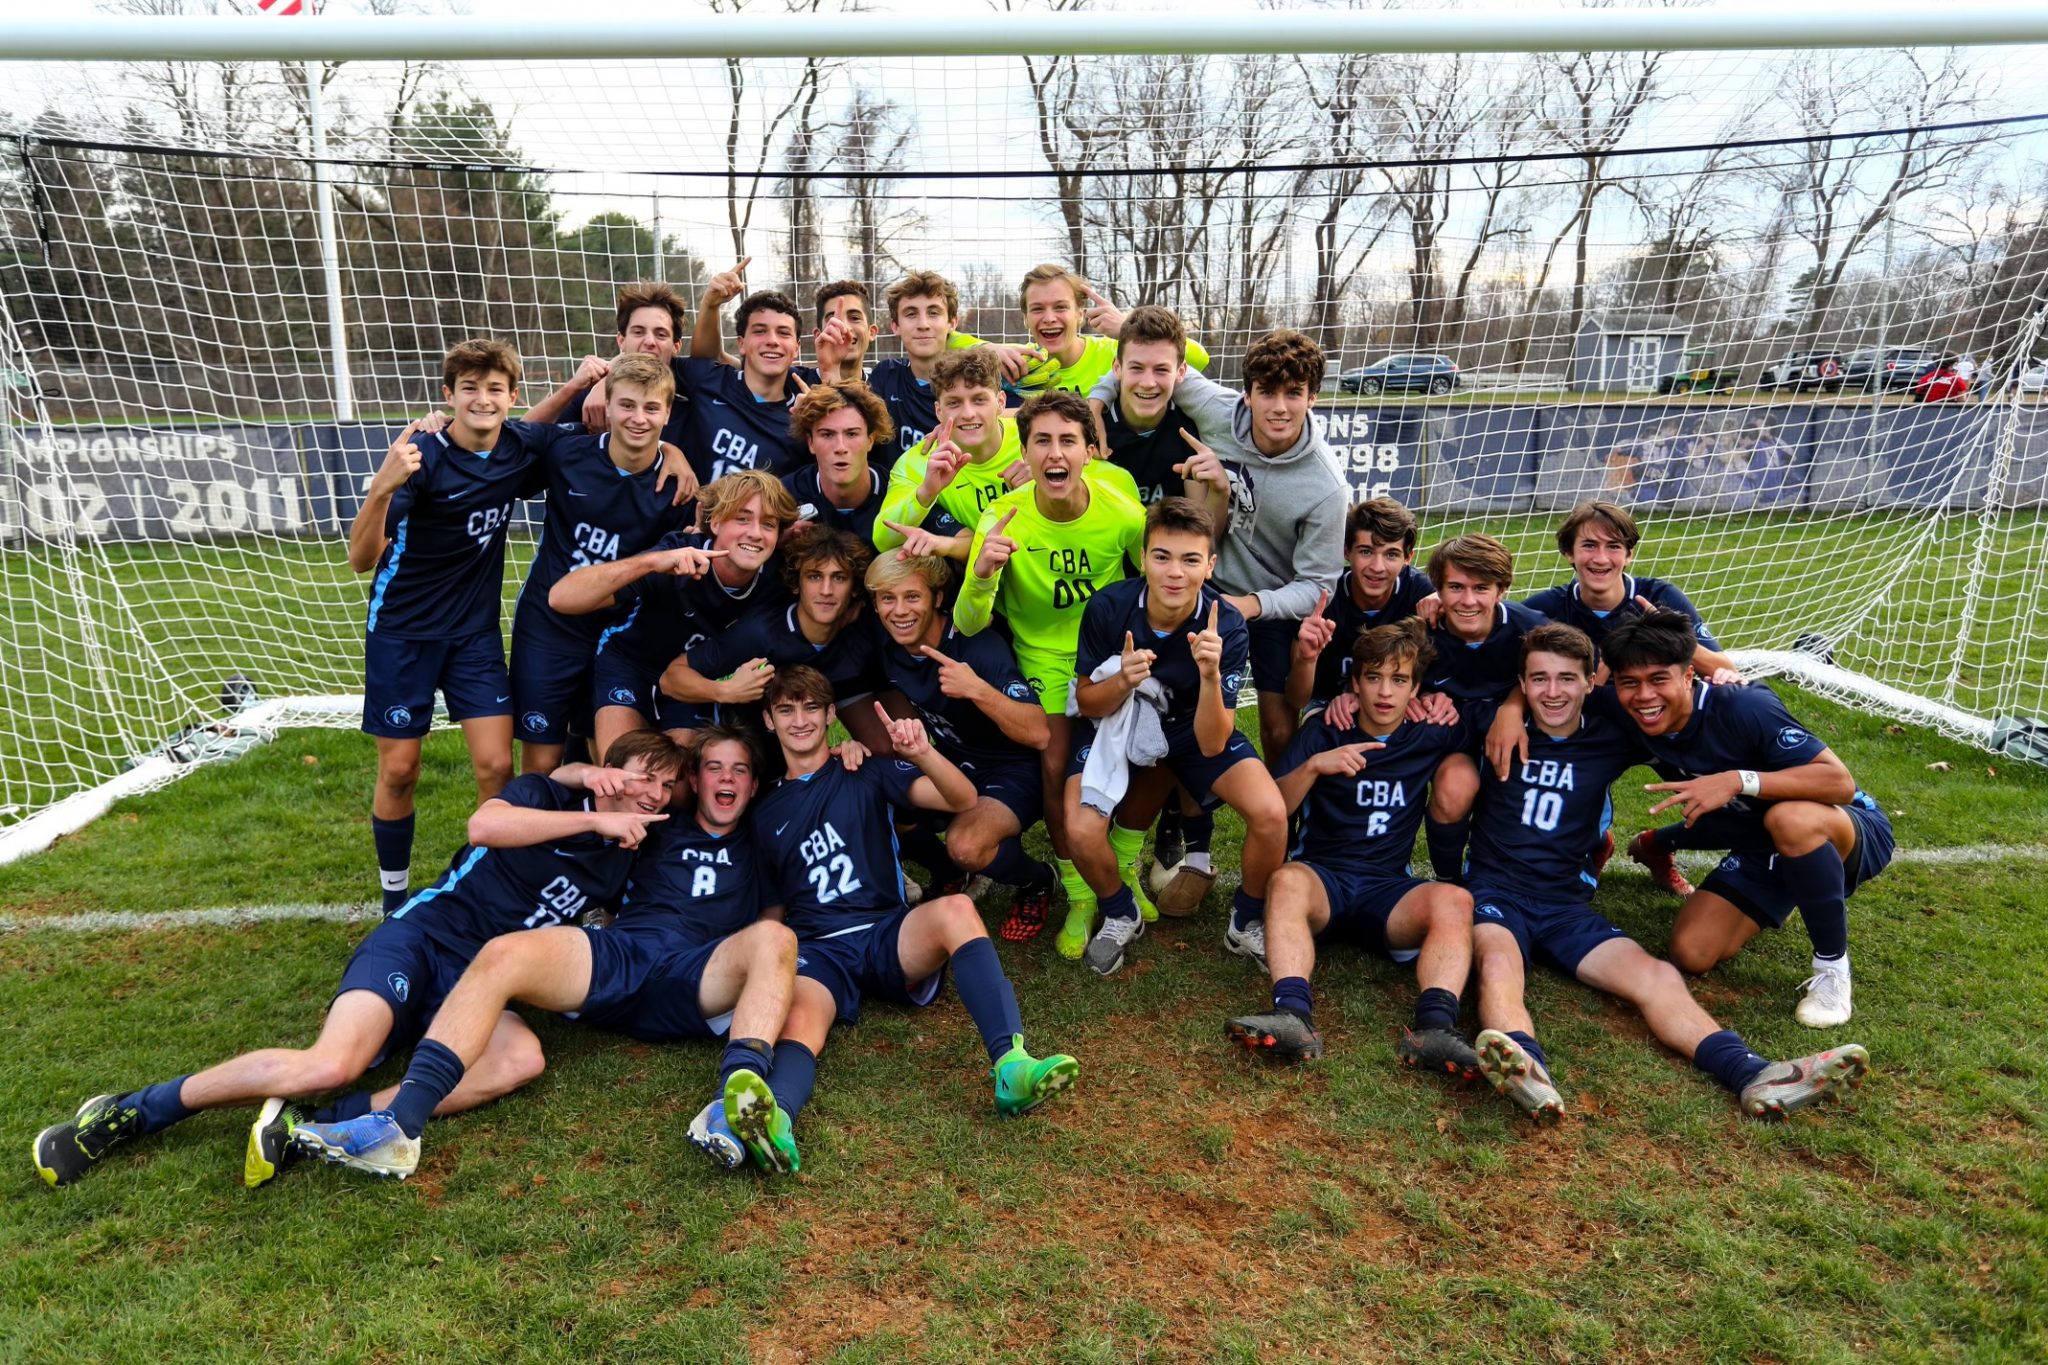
(1129, 846)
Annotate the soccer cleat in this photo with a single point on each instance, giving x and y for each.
(66, 1151)
(1023, 1082)
(1026, 920)
(714, 1137)
(1440, 1050)
(1181, 892)
(1787, 1087)
(1282, 1035)
(1104, 954)
(1519, 1076)
(759, 1122)
(1072, 940)
(1605, 853)
(1824, 1001)
(373, 1144)
(1662, 866)
(270, 1147)
(1249, 941)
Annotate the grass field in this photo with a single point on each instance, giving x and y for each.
(1182, 1204)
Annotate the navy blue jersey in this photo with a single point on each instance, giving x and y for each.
(912, 405)
(1367, 823)
(673, 430)
(1149, 456)
(1487, 670)
(1120, 608)
(597, 514)
(1534, 833)
(1333, 666)
(692, 887)
(848, 660)
(728, 428)
(1562, 604)
(958, 728)
(490, 891)
(444, 571)
(830, 837)
(1730, 728)
(803, 485)
(667, 615)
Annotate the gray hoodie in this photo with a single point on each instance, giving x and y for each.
(1285, 541)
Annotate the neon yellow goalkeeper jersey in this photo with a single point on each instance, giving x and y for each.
(974, 489)
(1056, 567)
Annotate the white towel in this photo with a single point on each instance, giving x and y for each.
(1129, 737)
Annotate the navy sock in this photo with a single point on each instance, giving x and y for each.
(1246, 911)
(1119, 904)
(1197, 830)
(745, 1054)
(978, 976)
(1726, 1058)
(434, 1071)
(394, 858)
(1436, 1008)
(1012, 866)
(353, 1105)
(157, 1106)
(922, 845)
(1532, 1047)
(1446, 840)
(1292, 993)
(1816, 882)
(1169, 822)
(1670, 838)
(794, 1076)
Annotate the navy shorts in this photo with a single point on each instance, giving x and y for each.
(402, 966)
(1272, 653)
(616, 680)
(1561, 935)
(863, 963)
(1752, 883)
(550, 692)
(1361, 903)
(1196, 772)
(400, 678)
(645, 986)
(1020, 787)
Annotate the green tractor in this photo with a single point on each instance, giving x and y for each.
(1696, 373)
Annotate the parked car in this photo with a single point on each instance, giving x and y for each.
(1892, 368)
(1696, 371)
(1940, 383)
(1407, 372)
(1804, 370)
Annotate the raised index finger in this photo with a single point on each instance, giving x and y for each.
(741, 268)
(1215, 608)
(1003, 520)
(1322, 600)
(931, 653)
(1192, 439)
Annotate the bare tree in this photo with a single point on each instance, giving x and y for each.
(748, 144)
(875, 133)
(1068, 136)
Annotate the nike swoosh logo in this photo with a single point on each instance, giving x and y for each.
(718, 402)
(781, 827)
(576, 494)
(1441, 682)
(504, 699)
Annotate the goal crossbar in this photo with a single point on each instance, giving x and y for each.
(336, 38)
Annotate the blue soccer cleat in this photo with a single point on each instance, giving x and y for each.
(374, 1144)
(714, 1137)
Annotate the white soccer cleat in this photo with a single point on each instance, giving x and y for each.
(1825, 1000)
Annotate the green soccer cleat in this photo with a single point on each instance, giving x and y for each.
(270, 1147)
(1079, 926)
(759, 1123)
(1787, 1087)
(1023, 1082)
(66, 1151)
(1147, 911)
(1510, 1069)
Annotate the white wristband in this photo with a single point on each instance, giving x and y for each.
(1752, 785)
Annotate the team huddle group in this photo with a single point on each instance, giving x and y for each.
(1030, 583)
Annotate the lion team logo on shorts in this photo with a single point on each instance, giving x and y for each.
(534, 720)
(622, 696)
(398, 717)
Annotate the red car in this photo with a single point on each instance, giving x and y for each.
(1939, 383)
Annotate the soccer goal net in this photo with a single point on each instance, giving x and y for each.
(1784, 305)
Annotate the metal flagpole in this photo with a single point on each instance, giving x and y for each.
(330, 260)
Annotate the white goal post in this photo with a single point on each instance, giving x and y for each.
(1724, 265)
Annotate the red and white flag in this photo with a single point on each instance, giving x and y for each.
(281, 8)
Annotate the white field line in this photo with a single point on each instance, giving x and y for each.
(238, 916)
